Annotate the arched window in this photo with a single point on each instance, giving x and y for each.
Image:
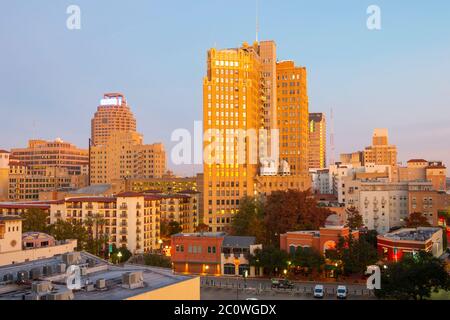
(292, 249)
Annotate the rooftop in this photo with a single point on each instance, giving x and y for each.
(94, 189)
(96, 269)
(419, 234)
(238, 242)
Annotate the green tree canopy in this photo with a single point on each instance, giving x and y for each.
(416, 219)
(272, 259)
(292, 210)
(414, 277)
(249, 221)
(354, 218)
(308, 258)
(35, 220)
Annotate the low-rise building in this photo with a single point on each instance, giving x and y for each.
(321, 240)
(394, 245)
(213, 253)
(17, 247)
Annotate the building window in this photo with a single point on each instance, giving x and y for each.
(229, 269)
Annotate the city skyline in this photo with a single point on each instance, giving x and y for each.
(55, 95)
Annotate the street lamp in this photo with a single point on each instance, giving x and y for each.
(119, 255)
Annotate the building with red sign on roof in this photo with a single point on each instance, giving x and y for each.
(394, 245)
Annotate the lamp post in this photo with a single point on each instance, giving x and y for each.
(119, 255)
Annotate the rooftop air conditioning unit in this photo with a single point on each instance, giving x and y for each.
(72, 258)
(91, 263)
(61, 295)
(8, 278)
(35, 273)
(41, 287)
(61, 268)
(100, 284)
(83, 271)
(48, 270)
(133, 280)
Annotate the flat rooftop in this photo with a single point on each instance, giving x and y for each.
(419, 234)
(154, 278)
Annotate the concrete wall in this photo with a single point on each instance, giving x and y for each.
(186, 290)
(36, 254)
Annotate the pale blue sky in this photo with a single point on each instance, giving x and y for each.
(154, 52)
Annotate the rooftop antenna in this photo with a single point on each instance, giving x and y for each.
(257, 20)
(332, 160)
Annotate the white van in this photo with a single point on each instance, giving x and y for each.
(341, 292)
(318, 291)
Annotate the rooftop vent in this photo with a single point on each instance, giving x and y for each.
(133, 280)
(41, 287)
(72, 258)
(100, 284)
(64, 294)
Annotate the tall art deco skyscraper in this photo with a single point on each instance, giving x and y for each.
(246, 90)
(112, 115)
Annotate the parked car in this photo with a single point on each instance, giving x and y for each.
(319, 291)
(282, 284)
(341, 292)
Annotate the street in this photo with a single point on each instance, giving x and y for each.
(223, 288)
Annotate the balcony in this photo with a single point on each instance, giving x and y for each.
(123, 207)
(123, 215)
(89, 207)
(138, 206)
(138, 223)
(123, 232)
(124, 224)
(123, 240)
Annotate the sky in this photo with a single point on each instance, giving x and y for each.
(154, 52)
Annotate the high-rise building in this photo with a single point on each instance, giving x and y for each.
(124, 156)
(112, 115)
(232, 101)
(45, 166)
(292, 116)
(247, 90)
(40, 155)
(317, 141)
(381, 152)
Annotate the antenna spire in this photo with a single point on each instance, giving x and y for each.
(257, 20)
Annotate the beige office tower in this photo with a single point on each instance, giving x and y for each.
(292, 117)
(381, 152)
(124, 156)
(268, 58)
(232, 101)
(112, 115)
(317, 141)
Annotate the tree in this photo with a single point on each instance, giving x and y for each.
(272, 259)
(202, 227)
(249, 221)
(124, 252)
(355, 254)
(169, 228)
(35, 220)
(414, 277)
(63, 230)
(308, 258)
(157, 260)
(292, 210)
(354, 218)
(416, 219)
